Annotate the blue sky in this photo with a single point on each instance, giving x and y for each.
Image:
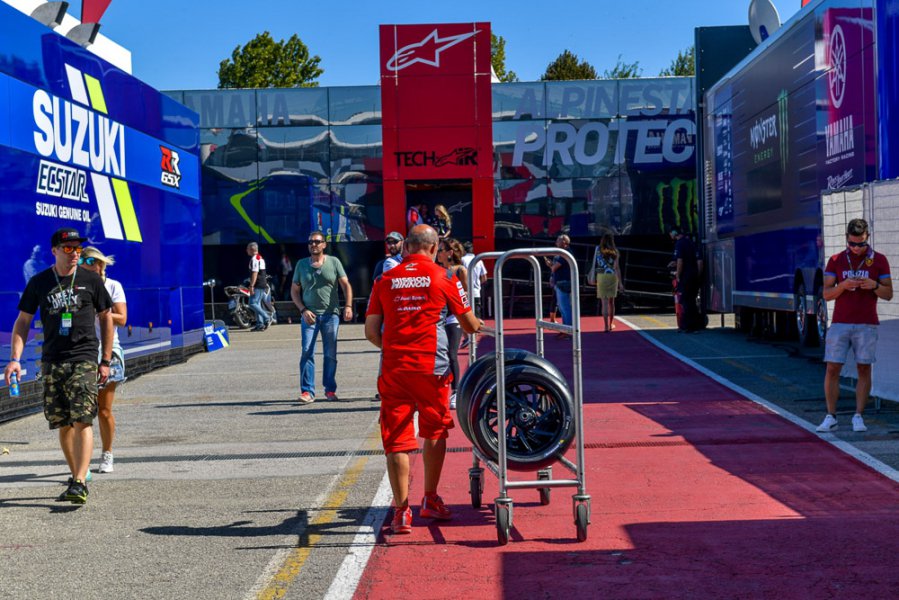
(178, 44)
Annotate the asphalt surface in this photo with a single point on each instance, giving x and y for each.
(225, 488)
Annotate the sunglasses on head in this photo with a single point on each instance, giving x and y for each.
(89, 261)
(70, 249)
(857, 244)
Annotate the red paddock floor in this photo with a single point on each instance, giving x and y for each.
(696, 492)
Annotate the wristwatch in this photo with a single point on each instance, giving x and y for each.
(105, 363)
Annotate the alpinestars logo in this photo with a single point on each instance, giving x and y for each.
(836, 79)
(171, 174)
(426, 51)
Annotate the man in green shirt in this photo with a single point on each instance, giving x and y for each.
(314, 291)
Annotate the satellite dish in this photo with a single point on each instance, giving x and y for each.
(763, 20)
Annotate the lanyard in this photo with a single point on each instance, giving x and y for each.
(65, 297)
(864, 258)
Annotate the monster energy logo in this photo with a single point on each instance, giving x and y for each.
(783, 122)
(683, 194)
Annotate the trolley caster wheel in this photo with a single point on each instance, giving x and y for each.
(544, 475)
(503, 523)
(475, 488)
(581, 520)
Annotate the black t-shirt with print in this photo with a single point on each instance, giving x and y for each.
(84, 298)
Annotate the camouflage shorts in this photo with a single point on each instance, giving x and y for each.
(70, 393)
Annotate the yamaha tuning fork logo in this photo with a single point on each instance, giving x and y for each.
(836, 78)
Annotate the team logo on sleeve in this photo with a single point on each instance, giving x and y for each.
(171, 174)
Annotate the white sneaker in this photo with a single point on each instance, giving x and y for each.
(829, 424)
(858, 424)
(453, 402)
(106, 463)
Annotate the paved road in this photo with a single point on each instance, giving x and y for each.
(226, 488)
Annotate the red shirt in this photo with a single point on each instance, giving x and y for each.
(857, 307)
(413, 298)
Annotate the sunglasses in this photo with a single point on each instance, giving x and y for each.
(857, 244)
(70, 249)
(316, 242)
(89, 261)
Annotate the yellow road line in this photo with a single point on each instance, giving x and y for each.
(293, 563)
(656, 322)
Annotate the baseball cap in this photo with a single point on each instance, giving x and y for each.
(394, 235)
(66, 234)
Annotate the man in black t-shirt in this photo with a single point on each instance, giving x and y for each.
(70, 300)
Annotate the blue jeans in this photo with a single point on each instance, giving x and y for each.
(563, 301)
(327, 325)
(262, 315)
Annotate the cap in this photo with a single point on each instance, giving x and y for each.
(66, 234)
(394, 235)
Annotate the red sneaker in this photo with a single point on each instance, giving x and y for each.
(432, 507)
(402, 521)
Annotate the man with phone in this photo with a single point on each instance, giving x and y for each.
(855, 279)
(70, 300)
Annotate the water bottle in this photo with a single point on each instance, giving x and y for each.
(13, 385)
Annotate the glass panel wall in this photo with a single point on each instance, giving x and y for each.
(584, 157)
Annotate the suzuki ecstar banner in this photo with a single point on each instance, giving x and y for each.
(86, 145)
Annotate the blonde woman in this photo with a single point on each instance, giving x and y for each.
(608, 278)
(94, 260)
(442, 222)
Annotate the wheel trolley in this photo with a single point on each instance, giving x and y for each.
(544, 482)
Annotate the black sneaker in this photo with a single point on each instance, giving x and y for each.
(77, 492)
(63, 496)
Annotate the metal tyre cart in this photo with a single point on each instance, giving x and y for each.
(544, 482)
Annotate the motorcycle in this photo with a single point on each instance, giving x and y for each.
(239, 304)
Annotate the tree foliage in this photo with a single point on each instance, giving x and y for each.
(682, 66)
(264, 63)
(498, 58)
(623, 70)
(567, 67)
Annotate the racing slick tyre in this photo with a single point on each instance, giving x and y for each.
(539, 423)
(484, 369)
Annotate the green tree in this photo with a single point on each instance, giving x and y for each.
(567, 67)
(264, 63)
(682, 66)
(498, 58)
(623, 70)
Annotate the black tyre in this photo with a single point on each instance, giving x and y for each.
(243, 316)
(581, 520)
(539, 419)
(812, 327)
(503, 524)
(484, 369)
(475, 489)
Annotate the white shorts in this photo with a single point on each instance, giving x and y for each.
(862, 339)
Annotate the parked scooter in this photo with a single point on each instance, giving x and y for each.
(239, 304)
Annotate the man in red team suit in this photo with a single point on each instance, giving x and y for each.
(854, 279)
(411, 302)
